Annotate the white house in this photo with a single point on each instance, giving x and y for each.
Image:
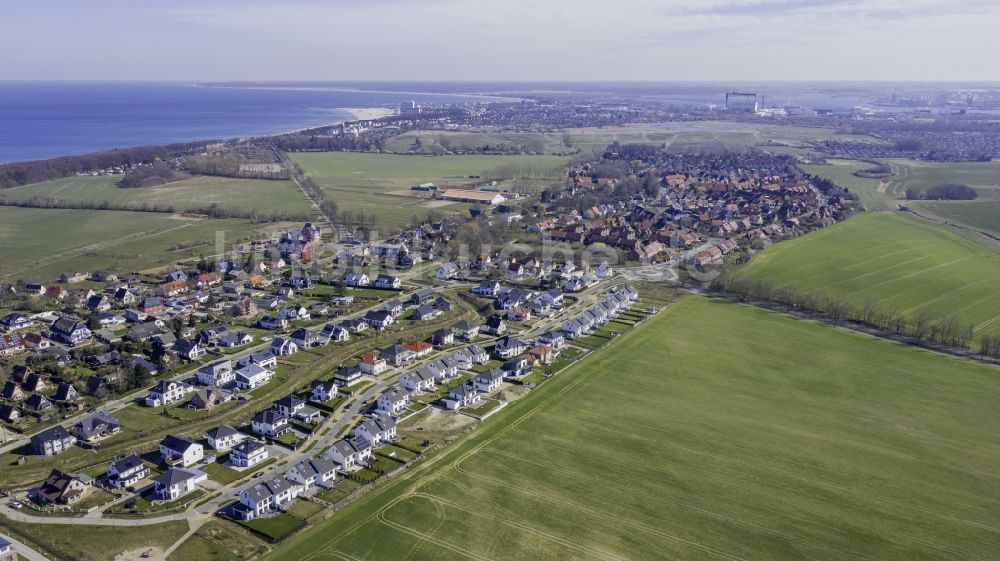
(166, 392)
(224, 437)
(335, 333)
(394, 307)
(127, 471)
(267, 496)
(488, 288)
(248, 454)
(350, 453)
(372, 364)
(463, 395)
(388, 282)
(356, 279)
(252, 376)
(270, 423)
(393, 401)
(284, 347)
(444, 368)
(419, 380)
(379, 319)
(312, 473)
(553, 339)
(264, 359)
(323, 390)
(378, 429)
(478, 354)
(507, 347)
(218, 373)
(488, 382)
(175, 483)
(180, 451)
(272, 322)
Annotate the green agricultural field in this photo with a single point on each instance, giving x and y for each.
(872, 192)
(713, 431)
(737, 136)
(981, 214)
(88, 240)
(239, 195)
(428, 168)
(730, 135)
(893, 260)
(379, 184)
(984, 176)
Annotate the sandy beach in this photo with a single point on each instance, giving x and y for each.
(365, 113)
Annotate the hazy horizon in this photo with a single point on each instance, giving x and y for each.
(450, 40)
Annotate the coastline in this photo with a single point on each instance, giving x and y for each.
(368, 113)
(356, 114)
(490, 96)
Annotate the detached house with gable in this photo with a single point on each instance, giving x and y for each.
(180, 451)
(126, 472)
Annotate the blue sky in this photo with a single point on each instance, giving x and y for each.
(504, 40)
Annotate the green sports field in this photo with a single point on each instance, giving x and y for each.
(711, 432)
(38, 244)
(891, 258)
(379, 184)
(243, 195)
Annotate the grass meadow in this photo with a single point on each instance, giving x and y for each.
(242, 195)
(891, 259)
(379, 184)
(980, 215)
(841, 172)
(735, 136)
(712, 431)
(984, 176)
(38, 244)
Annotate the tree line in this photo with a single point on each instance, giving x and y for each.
(211, 211)
(944, 192)
(158, 173)
(23, 173)
(922, 325)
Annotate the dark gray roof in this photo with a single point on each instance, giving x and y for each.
(176, 443)
(127, 463)
(173, 476)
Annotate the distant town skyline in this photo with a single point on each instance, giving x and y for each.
(736, 40)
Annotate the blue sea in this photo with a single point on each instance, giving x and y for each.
(47, 119)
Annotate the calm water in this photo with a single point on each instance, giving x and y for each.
(47, 119)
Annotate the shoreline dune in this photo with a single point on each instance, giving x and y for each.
(357, 114)
(368, 113)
